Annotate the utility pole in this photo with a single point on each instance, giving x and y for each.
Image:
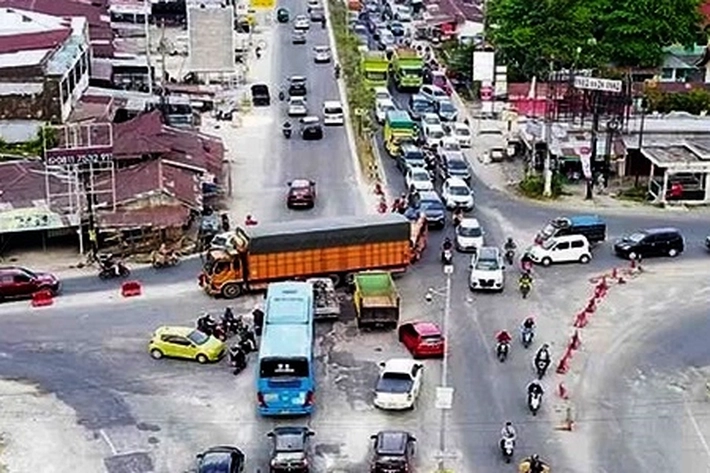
(546, 170)
(595, 138)
(445, 394)
(146, 25)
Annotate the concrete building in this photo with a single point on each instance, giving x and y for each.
(44, 65)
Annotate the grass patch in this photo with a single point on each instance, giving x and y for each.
(360, 98)
(533, 186)
(633, 194)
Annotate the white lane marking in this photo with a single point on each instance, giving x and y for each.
(696, 426)
(108, 441)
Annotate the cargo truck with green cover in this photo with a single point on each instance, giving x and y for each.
(407, 69)
(376, 300)
(375, 66)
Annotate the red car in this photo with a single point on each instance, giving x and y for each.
(17, 282)
(422, 339)
(301, 193)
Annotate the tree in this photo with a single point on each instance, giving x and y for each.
(529, 35)
(633, 33)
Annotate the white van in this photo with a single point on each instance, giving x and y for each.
(562, 249)
(333, 113)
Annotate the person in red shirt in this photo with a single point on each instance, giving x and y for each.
(249, 221)
(503, 337)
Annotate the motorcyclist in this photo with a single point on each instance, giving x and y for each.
(287, 128)
(507, 433)
(258, 315)
(228, 319)
(458, 216)
(510, 245)
(336, 71)
(503, 338)
(249, 221)
(526, 263)
(206, 324)
(248, 340)
(322, 22)
(525, 280)
(543, 354)
(528, 324)
(237, 358)
(257, 52)
(535, 388)
(536, 465)
(447, 245)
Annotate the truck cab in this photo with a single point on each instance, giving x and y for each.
(399, 128)
(375, 67)
(407, 69)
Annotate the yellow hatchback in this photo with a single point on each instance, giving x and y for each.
(185, 342)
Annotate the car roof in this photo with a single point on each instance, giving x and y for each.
(419, 97)
(322, 47)
(585, 220)
(410, 147)
(297, 78)
(450, 140)
(419, 170)
(380, 89)
(384, 101)
(461, 126)
(300, 183)
(297, 98)
(656, 231)
(434, 88)
(453, 156)
(332, 103)
(216, 457)
(426, 328)
(570, 238)
(456, 182)
(290, 430)
(310, 120)
(432, 115)
(399, 365)
(470, 222)
(174, 330)
(392, 442)
(488, 252)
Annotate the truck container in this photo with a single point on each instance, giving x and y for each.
(376, 300)
(336, 248)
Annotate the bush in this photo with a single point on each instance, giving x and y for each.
(533, 186)
(694, 102)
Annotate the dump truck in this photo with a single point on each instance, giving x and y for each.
(375, 66)
(399, 127)
(407, 69)
(249, 258)
(376, 300)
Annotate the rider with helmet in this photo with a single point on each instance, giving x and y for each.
(543, 354)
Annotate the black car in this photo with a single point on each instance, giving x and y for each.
(651, 242)
(311, 128)
(297, 86)
(290, 449)
(392, 452)
(221, 459)
(317, 15)
(419, 105)
(260, 96)
(410, 156)
(430, 204)
(301, 193)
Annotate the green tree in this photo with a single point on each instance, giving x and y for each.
(530, 34)
(633, 33)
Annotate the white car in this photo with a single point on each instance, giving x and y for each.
(433, 134)
(382, 106)
(399, 384)
(449, 145)
(430, 119)
(462, 134)
(456, 194)
(382, 93)
(419, 178)
(469, 235)
(333, 113)
(301, 22)
(297, 107)
(387, 40)
(433, 93)
(487, 270)
(562, 249)
(321, 54)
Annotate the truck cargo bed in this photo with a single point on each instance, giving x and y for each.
(327, 303)
(372, 302)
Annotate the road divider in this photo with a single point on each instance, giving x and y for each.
(131, 289)
(42, 298)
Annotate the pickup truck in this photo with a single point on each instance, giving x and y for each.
(376, 300)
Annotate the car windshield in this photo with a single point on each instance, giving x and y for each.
(288, 443)
(470, 232)
(437, 93)
(463, 131)
(431, 120)
(451, 146)
(382, 95)
(446, 107)
(456, 164)
(432, 205)
(431, 339)
(421, 106)
(459, 191)
(298, 80)
(436, 134)
(635, 237)
(197, 337)
(297, 101)
(322, 49)
(420, 176)
(487, 265)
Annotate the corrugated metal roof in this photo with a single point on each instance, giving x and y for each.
(14, 21)
(19, 131)
(66, 56)
(23, 58)
(20, 88)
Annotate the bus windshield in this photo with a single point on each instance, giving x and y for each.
(283, 368)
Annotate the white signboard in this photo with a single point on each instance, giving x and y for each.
(484, 66)
(501, 83)
(211, 39)
(585, 155)
(592, 83)
(444, 398)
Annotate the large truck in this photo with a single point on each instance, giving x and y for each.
(376, 300)
(375, 66)
(407, 69)
(337, 248)
(399, 128)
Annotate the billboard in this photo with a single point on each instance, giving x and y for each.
(484, 65)
(210, 28)
(71, 145)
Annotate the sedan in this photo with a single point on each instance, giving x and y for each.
(18, 282)
(419, 179)
(469, 235)
(297, 85)
(187, 343)
(221, 459)
(290, 449)
(433, 93)
(457, 194)
(422, 339)
(317, 15)
(298, 37)
(311, 128)
(301, 22)
(446, 110)
(321, 54)
(434, 134)
(462, 134)
(297, 107)
(382, 106)
(301, 193)
(399, 384)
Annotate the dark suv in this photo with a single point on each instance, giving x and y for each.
(289, 450)
(392, 452)
(17, 282)
(222, 459)
(297, 86)
(652, 242)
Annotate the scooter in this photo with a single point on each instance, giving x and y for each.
(287, 132)
(526, 337)
(541, 367)
(534, 402)
(447, 257)
(159, 261)
(507, 446)
(525, 289)
(502, 351)
(509, 256)
(110, 268)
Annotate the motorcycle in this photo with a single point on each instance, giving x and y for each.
(525, 288)
(507, 446)
(502, 351)
(282, 95)
(287, 132)
(110, 268)
(541, 367)
(509, 256)
(526, 337)
(159, 261)
(214, 329)
(447, 257)
(534, 402)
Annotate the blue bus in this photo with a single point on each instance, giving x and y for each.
(286, 375)
(289, 303)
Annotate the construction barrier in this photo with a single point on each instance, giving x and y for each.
(42, 298)
(131, 289)
(575, 342)
(563, 365)
(581, 320)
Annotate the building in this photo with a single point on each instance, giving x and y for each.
(44, 65)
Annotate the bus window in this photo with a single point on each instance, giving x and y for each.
(284, 368)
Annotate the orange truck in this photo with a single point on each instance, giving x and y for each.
(336, 248)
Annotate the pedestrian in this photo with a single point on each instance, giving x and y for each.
(225, 222)
(258, 315)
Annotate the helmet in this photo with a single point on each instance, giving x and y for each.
(530, 319)
(535, 457)
(545, 346)
(510, 239)
(509, 424)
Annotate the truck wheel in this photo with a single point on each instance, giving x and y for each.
(231, 290)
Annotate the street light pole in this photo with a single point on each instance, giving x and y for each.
(448, 270)
(146, 26)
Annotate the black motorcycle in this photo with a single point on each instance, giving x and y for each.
(509, 256)
(502, 351)
(110, 267)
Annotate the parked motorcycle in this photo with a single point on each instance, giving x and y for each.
(502, 351)
(507, 447)
(111, 267)
(534, 403)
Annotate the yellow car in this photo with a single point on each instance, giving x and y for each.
(185, 342)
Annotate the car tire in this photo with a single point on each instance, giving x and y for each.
(584, 259)
(202, 358)
(156, 354)
(673, 252)
(231, 291)
(546, 261)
